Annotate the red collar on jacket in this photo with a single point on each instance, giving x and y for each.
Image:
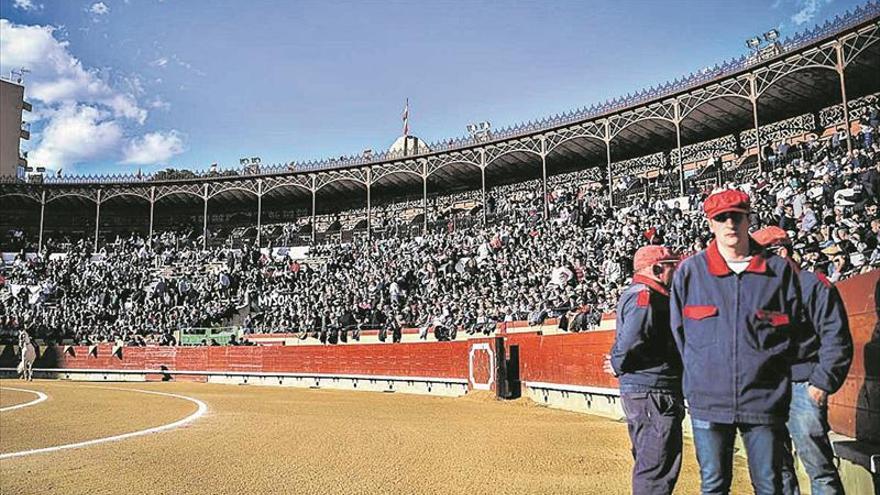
(652, 284)
(719, 268)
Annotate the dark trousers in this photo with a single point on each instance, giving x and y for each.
(654, 424)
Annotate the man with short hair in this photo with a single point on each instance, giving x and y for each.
(645, 359)
(822, 364)
(734, 312)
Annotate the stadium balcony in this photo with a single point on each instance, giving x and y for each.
(714, 111)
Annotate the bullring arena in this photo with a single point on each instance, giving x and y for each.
(430, 319)
(254, 439)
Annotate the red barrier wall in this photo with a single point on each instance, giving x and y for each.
(574, 359)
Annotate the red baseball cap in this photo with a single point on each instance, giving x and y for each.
(771, 236)
(727, 200)
(651, 255)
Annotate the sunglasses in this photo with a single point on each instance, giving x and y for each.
(727, 215)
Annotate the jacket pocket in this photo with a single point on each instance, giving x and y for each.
(771, 331)
(700, 325)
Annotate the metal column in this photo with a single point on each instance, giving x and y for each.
(678, 148)
(608, 155)
(840, 72)
(314, 218)
(424, 198)
(42, 213)
(97, 219)
(544, 178)
(369, 214)
(483, 186)
(205, 221)
(259, 211)
(753, 96)
(152, 204)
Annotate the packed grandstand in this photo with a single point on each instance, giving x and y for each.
(469, 257)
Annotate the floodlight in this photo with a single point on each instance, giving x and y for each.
(771, 36)
(753, 43)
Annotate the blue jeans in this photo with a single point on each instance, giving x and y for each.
(765, 448)
(808, 425)
(654, 423)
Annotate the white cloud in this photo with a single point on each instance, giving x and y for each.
(27, 5)
(56, 76)
(159, 62)
(99, 8)
(154, 148)
(809, 9)
(159, 104)
(81, 115)
(74, 134)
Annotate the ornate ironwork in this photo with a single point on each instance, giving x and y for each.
(783, 129)
(410, 167)
(497, 150)
(468, 157)
(854, 45)
(193, 189)
(587, 130)
(705, 150)
(639, 165)
(824, 57)
(300, 181)
(857, 109)
(358, 175)
(738, 88)
(659, 111)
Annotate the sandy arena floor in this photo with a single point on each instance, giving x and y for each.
(287, 440)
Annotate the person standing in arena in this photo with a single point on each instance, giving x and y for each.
(645, 359)
(822, 364)
(735, 313)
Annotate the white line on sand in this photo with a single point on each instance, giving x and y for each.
(202, 409)
(40, 398)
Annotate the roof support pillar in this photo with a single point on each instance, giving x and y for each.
(753, 97)
(205, 220)
(97, 219)
(314, 219)
(544, 178)
(42, 214)
(838, 47)
(152, 205)
(678, 148)
(424, 198)
(483, 185)
(259, 211)
(608, 156)
(369, 211)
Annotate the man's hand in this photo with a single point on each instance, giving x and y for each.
(819, 396)
(606, 366)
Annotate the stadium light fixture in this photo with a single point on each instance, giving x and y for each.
(771, 36)
(753, 43)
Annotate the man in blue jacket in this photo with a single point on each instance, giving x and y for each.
(823, 360)
(645, 359)
(734, 313)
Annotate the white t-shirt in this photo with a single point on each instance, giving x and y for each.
(738, 267)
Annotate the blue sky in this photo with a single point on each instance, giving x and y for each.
(119, 85)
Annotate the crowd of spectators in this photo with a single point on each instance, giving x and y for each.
(470, 277)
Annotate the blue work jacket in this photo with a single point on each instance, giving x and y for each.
(738, 336)
(644, 355)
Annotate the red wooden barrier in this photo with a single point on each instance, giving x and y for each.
(574, 359)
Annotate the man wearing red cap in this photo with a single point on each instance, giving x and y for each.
(823, 360)
(645, 359)
(734, 313)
